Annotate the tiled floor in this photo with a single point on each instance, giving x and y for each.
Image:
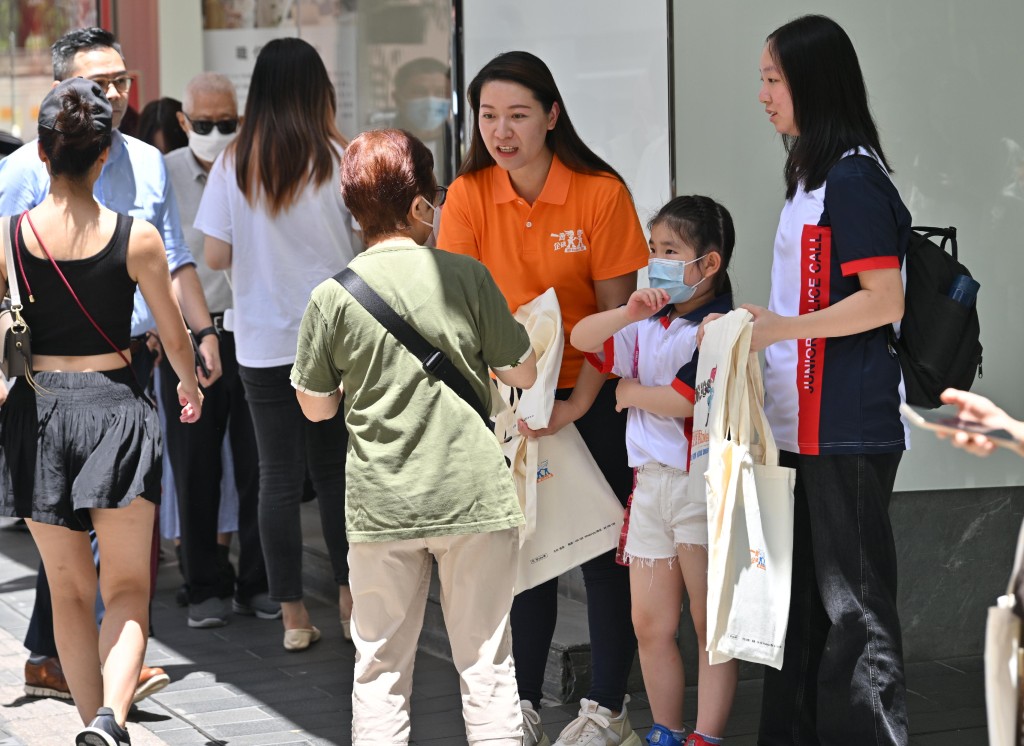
(236, 685)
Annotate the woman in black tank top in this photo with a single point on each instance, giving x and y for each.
(79, 442)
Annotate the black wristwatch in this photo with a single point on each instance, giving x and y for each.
(202, 333)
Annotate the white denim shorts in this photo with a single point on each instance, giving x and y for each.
(661, 516)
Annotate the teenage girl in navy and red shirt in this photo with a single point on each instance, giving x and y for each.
(833, 391)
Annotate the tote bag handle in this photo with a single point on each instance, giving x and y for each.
(737, 400)
(769, 455)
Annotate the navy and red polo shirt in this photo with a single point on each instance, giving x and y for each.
(839, 395)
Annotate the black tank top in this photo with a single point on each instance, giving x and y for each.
(102, 284)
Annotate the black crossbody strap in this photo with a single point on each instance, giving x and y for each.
(434, 362)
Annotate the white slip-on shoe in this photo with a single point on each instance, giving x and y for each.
(300, 639)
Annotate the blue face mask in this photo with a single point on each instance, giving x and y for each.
(426, 114)
(668, 275)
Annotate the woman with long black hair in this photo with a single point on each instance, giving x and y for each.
(832, 394)
(272, 214)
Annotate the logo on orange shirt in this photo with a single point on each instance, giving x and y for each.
(569, 241)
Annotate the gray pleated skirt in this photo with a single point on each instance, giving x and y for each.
(82, 441)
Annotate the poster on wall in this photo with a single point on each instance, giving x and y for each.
(234, 32)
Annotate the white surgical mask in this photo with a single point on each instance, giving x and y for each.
(669, 275)
(208, 147)
(435, 224)
(426, 114)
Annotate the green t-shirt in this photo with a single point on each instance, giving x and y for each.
(420, 461)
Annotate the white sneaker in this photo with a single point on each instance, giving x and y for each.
(596, 727)
(533, 732)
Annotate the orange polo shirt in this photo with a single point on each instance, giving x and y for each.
(582, 228)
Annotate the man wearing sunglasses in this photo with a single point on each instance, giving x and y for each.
(134, 182)
(209, 117)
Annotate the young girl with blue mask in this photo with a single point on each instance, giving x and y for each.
(651, 343)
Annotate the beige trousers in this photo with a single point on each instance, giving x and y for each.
(389, 582)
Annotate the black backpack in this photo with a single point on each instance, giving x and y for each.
(939, 344)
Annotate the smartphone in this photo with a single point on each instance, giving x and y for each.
(199, 358)
(946, 420)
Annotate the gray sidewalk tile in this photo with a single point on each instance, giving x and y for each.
(204, 694)
(189, 737)
(229, 717)
(199, 707)
(278, 738)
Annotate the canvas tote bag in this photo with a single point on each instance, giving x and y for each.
(760, 557)
(726, 345)
(750, 513)
(578, 516)
(1003, 660)
(571, 513)
(714, 371)
(542, 319)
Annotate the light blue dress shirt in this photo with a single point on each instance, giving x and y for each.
(133, 182)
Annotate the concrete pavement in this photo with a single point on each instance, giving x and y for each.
(236, 685)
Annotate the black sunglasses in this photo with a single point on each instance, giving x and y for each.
(441, 194)
(205, 126)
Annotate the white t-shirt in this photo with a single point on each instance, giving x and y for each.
(658, 352)
(276, 261)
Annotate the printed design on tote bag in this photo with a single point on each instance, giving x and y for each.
(699, 437)
(758, 559)
(570, 241)
(706, 388)
(544, 472)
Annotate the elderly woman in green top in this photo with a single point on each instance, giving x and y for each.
(425, 476)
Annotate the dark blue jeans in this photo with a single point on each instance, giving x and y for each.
(842, 675)
(534, 612)
(290, 447)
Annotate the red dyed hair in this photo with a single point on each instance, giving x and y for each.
(382, 172)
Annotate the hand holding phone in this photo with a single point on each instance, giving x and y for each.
(947, 421)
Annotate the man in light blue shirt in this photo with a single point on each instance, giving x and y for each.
(134, 182)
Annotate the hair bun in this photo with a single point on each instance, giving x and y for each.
(76, 107)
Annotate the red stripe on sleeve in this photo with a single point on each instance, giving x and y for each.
(606, 365)
(684, 390)
(872, 262)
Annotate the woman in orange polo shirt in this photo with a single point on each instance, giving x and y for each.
(540, 209)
